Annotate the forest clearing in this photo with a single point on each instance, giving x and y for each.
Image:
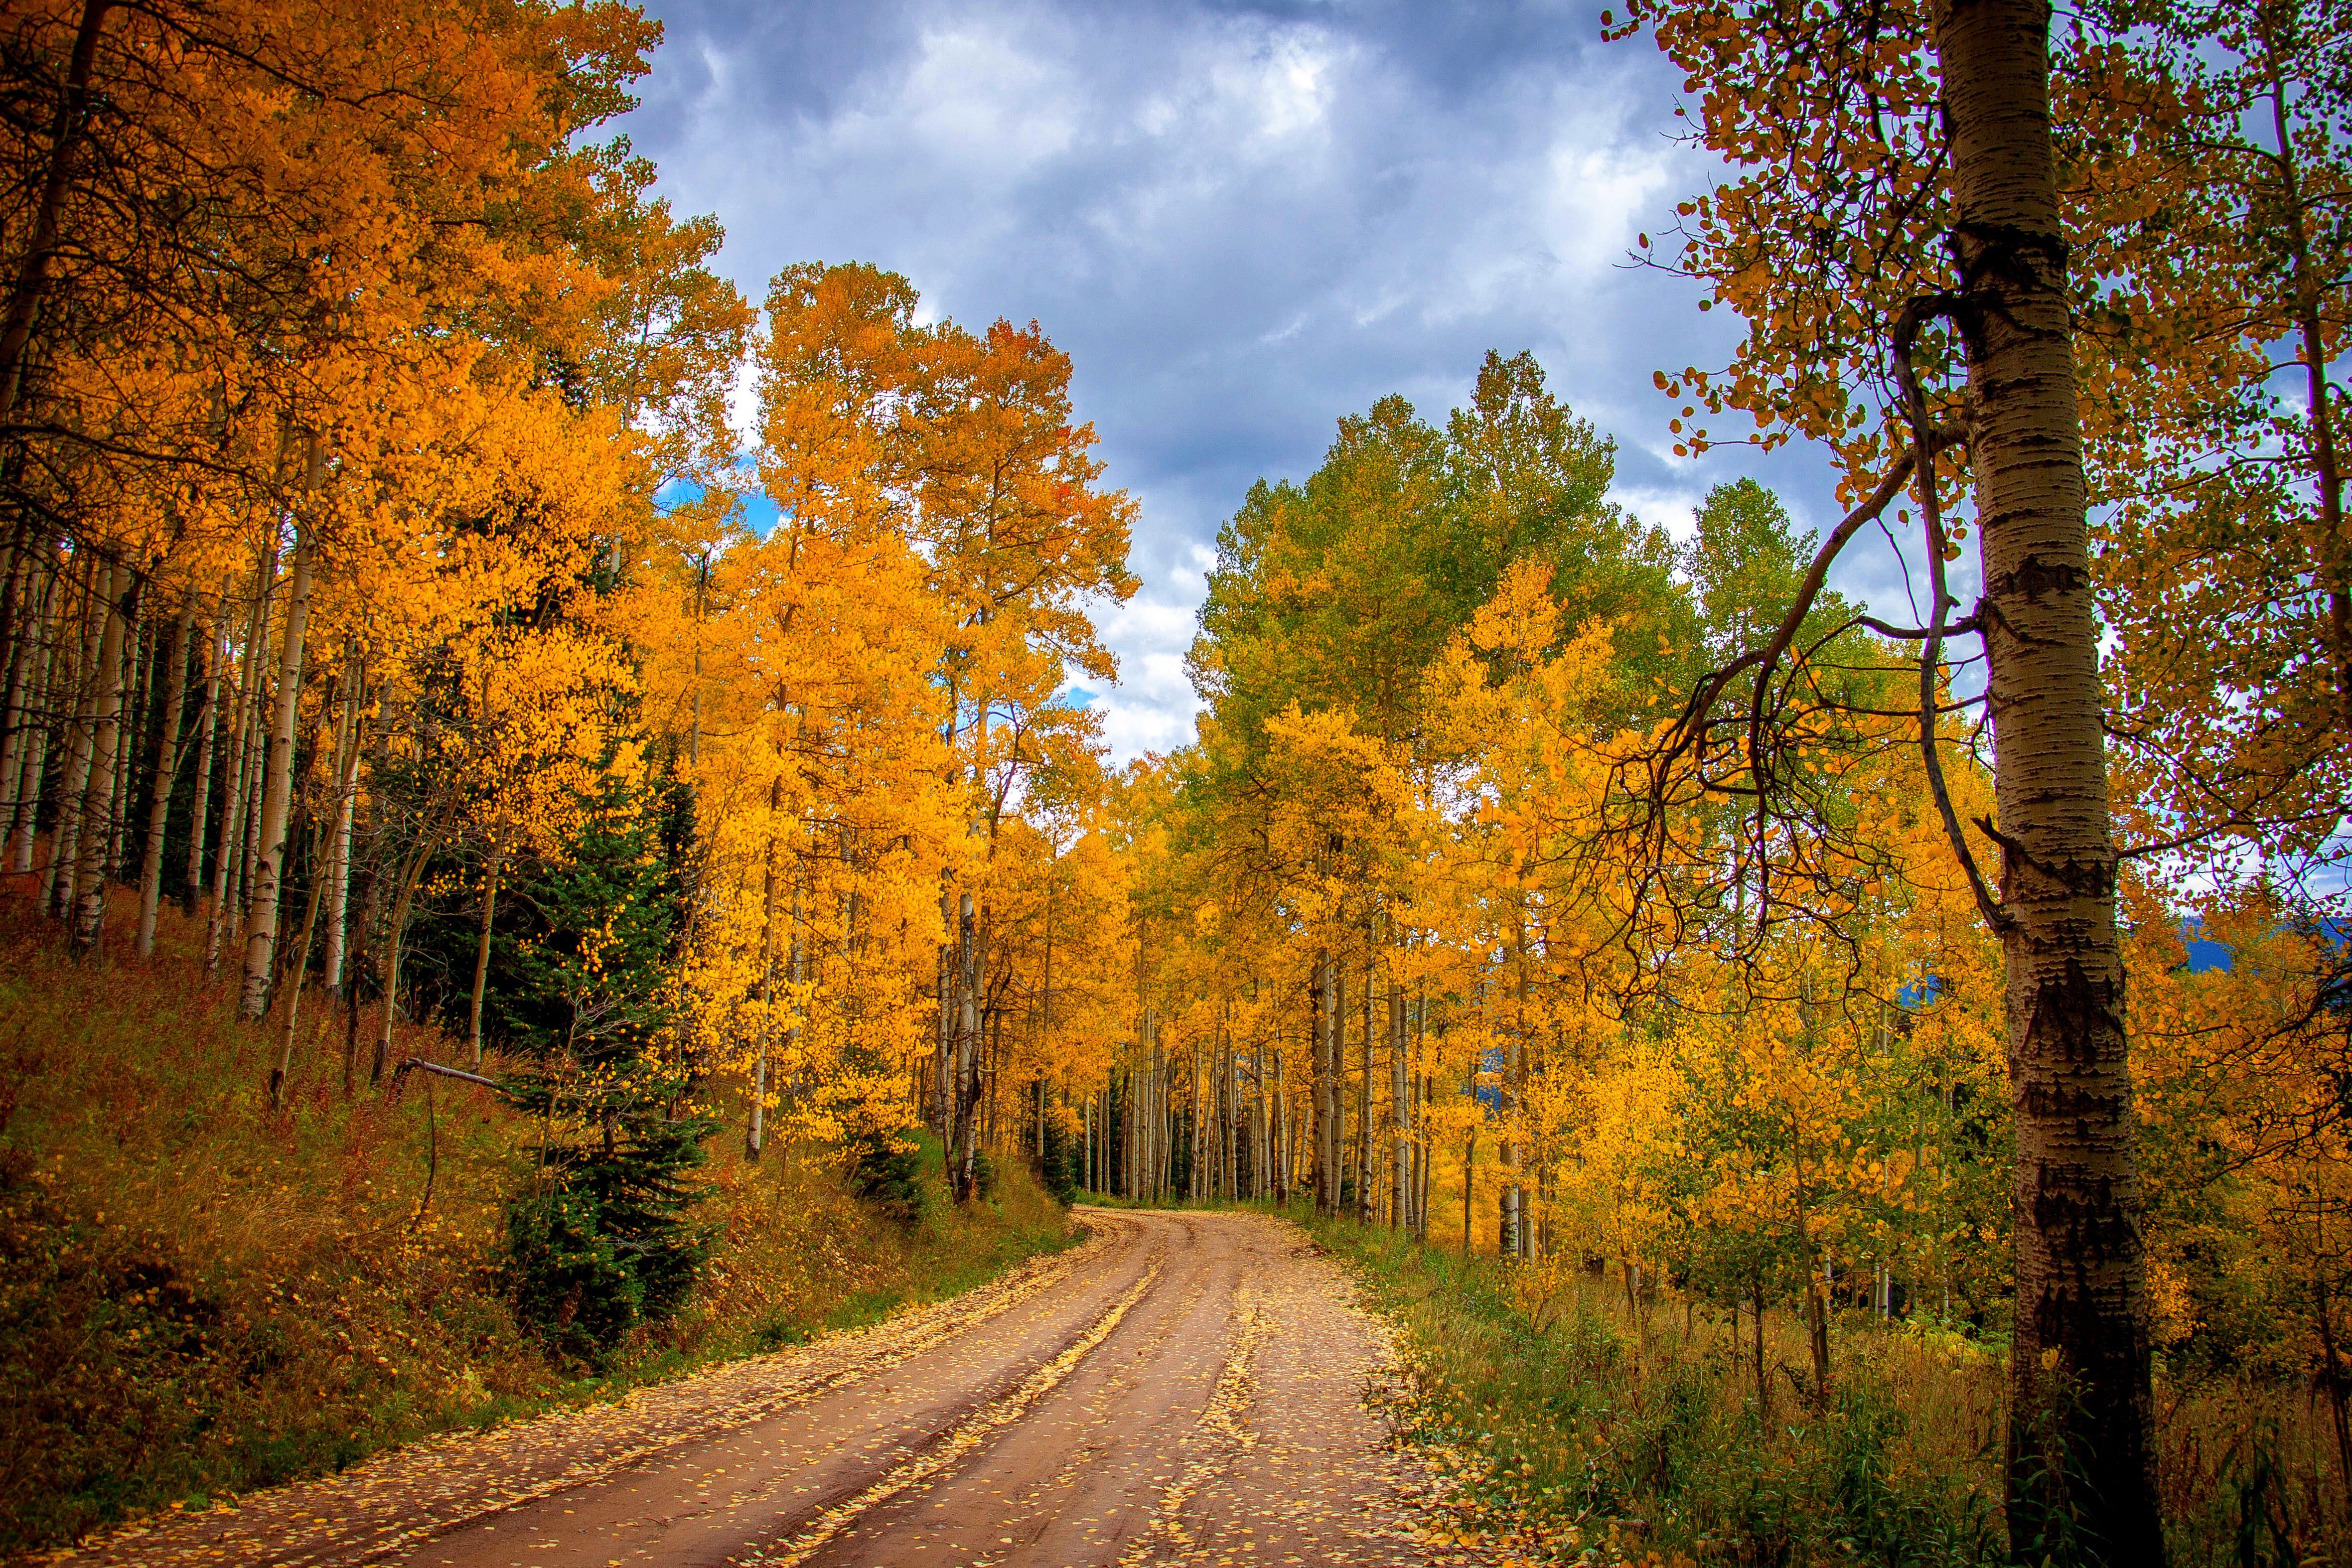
(594, 963)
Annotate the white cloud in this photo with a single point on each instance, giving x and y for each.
(1240, 225)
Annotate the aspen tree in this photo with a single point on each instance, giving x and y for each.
(339, 843)
(216, 654)
(277, 782)
(169, 752)
(86, 887)
(236, 760)
(92, 599)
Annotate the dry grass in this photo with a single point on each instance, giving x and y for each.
(1581, 1429)
(200, 1295)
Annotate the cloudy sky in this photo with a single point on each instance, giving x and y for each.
(1240, 220)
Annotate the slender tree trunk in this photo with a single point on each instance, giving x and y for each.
(1399, 1115)
(43, 241)
(297, 968)
(2080, 1369)
(276, 795)
(236, 768)
(1366, 1196)
(27, 665)
(1763, 1385)
(967, 1047)
(64, 838)
(756, 1127)
(356, 973)
(482, 963)
(2339, 1393)
(1319, 1013)
(207, 726)
(1469, 1187)
(41, 686)
(396, 930)
(131, 741)
(339, 848)
(167, 770)
(105, 733)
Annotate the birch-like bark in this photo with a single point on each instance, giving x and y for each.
(65, 840)
(1364, 1181)
(395, 931)
(89, 877)
(1400, 1123)
(339, 847)
(298, 966)
(130, 740)
(207, 726)
(236, 770)
(482, 958)
(2080, 1373)
(23, 780)
(755, 1128)
(167, 771)
(276, 795)
(26, 632)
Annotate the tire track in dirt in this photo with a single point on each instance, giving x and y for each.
(1179, 1388)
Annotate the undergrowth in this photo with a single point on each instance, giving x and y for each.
(199, 1296)
(1577, 1427)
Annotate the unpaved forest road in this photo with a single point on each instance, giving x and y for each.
(1178, 1388)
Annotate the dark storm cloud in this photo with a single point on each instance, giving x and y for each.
(1241, 222)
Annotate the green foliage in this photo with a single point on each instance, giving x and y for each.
(887, 1169)
(602, 1239)
(1592, 1423)
(1065, 1161)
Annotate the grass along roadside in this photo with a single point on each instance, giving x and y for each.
(200, 1297)
(1578, 1428)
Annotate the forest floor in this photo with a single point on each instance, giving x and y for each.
(1179, 1388)
(202, 1296)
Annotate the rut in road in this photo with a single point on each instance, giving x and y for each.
(1178, 1388)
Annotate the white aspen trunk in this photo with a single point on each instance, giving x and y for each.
(2080, 1369)
(234, 777)
(395, 932)
(755, 1129)
(89, 877)
(65, 840)
(207, 726)
(26, 666)
(338, 853)
(1399, 1113)
(167, 771)
(277, 796)
(138, 665)
(299, 962)
(1365, 1171)
(482, 962)
(23, 781)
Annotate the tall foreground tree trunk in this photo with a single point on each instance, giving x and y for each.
(276, 795)
(2080, 1408)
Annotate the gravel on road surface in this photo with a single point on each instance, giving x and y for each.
(1181, 1387)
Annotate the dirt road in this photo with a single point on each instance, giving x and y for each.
(1179, 1388)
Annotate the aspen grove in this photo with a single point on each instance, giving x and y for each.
(381, 609)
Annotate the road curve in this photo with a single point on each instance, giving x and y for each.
(1179, 1387)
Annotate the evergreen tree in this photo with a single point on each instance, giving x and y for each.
(602, 1239)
